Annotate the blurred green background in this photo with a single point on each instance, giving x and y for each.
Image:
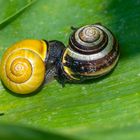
(104, 109)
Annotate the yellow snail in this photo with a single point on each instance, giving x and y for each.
(23, 66)
(93, 51)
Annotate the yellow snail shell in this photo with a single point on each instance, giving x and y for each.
(22, 67)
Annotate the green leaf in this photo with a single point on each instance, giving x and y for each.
(11, 9)
(104, 109)
(8, 132)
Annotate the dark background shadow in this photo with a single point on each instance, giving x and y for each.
(8, 132)
(126, 25)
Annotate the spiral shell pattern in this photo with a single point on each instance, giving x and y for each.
(22, 67)
(92, 52)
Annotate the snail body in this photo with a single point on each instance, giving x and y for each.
(93, 51)
(23, 65)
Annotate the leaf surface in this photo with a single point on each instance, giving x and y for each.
(107, 108)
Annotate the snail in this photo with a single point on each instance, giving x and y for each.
(92, 52)
(24, 65)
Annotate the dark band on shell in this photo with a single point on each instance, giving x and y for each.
(92, 52)
(85, 45)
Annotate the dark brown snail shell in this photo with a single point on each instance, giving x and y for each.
(93, 51)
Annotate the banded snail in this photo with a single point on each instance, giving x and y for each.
(92, 52)
(23, 66)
